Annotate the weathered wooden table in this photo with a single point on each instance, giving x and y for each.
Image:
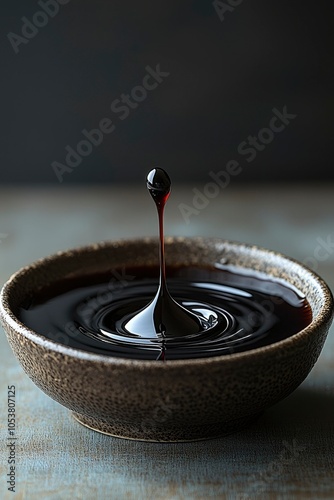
(287, 453)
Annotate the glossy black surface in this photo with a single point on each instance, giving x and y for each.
(93, 312)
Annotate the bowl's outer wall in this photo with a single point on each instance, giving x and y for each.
(172, 400)
(175, 399)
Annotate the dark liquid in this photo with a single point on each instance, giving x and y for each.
(92, 313)
(209, 311)
(165, 318)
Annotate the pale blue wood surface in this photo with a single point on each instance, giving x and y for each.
(288, 453)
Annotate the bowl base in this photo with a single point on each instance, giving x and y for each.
(165, 435)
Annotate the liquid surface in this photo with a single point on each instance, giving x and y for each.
(238, 312)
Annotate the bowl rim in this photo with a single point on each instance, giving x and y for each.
(7, 317)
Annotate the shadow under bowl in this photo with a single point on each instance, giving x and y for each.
(177, 400)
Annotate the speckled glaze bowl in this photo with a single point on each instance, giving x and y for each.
(177, 400)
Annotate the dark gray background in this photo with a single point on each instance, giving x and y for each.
(225, 79)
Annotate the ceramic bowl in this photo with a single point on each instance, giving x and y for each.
(177, 400)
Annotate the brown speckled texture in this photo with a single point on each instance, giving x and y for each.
(177, 400)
